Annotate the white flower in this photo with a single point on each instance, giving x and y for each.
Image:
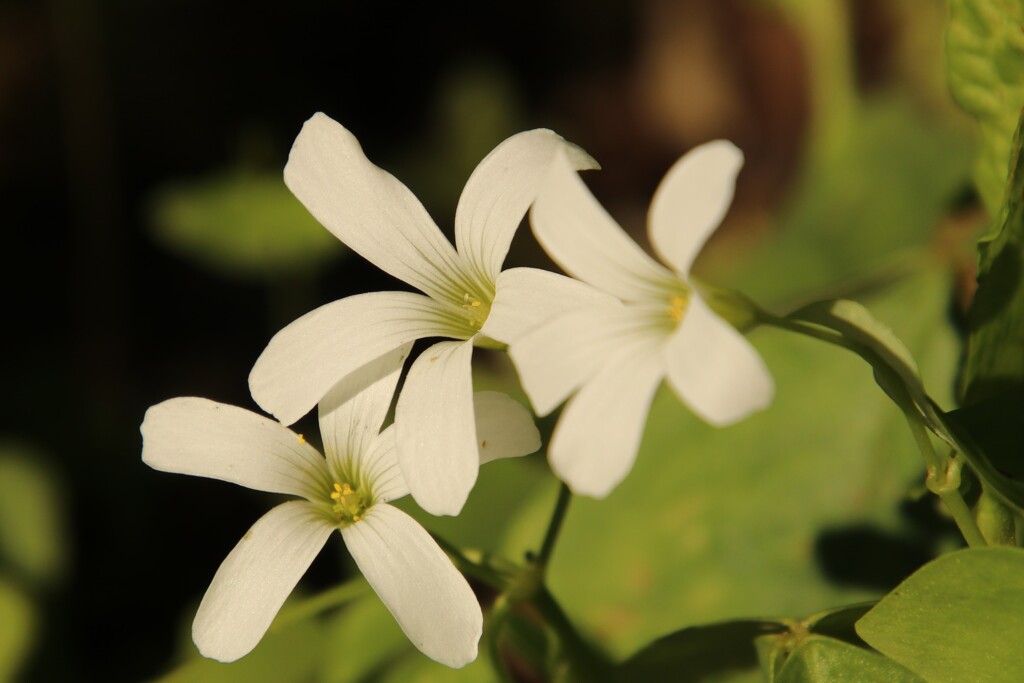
(348, 491)
(615, 356)
(468, 298)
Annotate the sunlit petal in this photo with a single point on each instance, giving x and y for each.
(500, 190)
(714, 369)
(595, 442)
(583, 240)
(429, 598)
(365, 207)
(208, 439)
(308, 357)
(255, 579)
(527, 297)
(554, 359)
(436, 436)
(691, 201)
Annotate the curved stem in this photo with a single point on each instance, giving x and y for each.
(944, 481)
(332, 597)
(554, 527)
(469, 568)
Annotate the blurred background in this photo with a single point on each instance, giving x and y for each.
(152, 250)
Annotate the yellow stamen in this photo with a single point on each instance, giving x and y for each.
(676, 307)
(349, 504)
(302, 439)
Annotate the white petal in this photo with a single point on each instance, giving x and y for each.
(583, 240)
(208, 439)
(436, 436)
(429, 598)
(380, 467)
(504, 428)
(304, 360)
(255, 579)
(352, 412)
(365, 207)
(554, 359)
(714, 369)
(691, 201)
(500, 190)
(597, 436)
(527, 297)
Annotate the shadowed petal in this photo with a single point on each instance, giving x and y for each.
(208, 439)
(352, 412)
(691, 201)
(504, 428)
(308, 357)
(365, 207)
(380, 467)
(597, 436)
(527, 297)
(436, 432)
(429, 598)
(255, 579)
(500, 190)
(580, 236)
(714, 369)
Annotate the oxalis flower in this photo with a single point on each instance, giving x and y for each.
(614, 356)
(467, 297)
(348, 491)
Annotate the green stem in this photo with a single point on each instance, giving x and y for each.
(333, 597)
(944, 480)
(554, 527)
(472, 569)
(586, 663)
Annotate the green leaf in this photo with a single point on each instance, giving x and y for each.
(838, 623)
(959, 618)
(31, 511)
(361, 640)
(985, 57)
(994, 359)
(717, 652)
(289, 654)
(687, 538)
(243, 224)
(18, 625)
(823, 660)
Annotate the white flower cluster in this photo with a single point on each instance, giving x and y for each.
(603, 341)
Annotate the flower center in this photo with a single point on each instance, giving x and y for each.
(477, 309)
(349, 504)
(676, 307)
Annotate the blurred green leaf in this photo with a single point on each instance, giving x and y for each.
(721, 524)
(242, 223)
(863, 212)
(959, 618)
(823, 660)
(31, 525)
(985, 57)
(361, 641)
(17, 624)
(717, 652)
(285, 655)
(417, 668)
